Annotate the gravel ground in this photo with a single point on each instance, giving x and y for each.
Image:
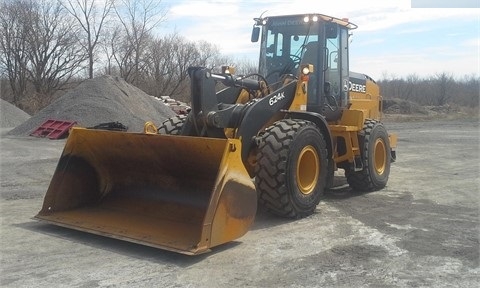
(422, 230)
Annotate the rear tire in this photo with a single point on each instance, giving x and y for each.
(173, 125)
(291, 170)
(375, 152)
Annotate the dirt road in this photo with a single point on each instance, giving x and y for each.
(420, 231)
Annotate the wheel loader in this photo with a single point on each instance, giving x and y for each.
(272, 138)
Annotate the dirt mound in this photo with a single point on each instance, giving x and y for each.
(101, 100)
(399, 106)
(10, 115)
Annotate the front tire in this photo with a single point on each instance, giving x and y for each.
(173, 125)
(375, 152)
(291, 170)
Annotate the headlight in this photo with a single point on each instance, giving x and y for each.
(307, 19)
(307, 69)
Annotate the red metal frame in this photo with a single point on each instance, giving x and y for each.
(53, 129)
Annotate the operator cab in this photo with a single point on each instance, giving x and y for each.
(288, 41)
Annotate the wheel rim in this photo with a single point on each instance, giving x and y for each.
(308, 169)
(380, 155)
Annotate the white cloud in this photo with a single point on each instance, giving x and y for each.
(368, 42)
(204, 9)
(474, 42)
(414, 30)
(425, 62)
(228, 23)
(222, 17)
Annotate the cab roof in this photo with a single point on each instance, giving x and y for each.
(343, 22)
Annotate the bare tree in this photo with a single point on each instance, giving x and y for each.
(167, 60)
(410, 87)
(13, 45)
(242, 66)
(108, 47)
(161, 72)
(138, 18)
(208, 54)
(121, 52)
(437, 90)
(91, 15)
(470, 91)
(443, 83)
(166, 64)
(54, 56)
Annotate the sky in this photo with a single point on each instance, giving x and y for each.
(394, 38)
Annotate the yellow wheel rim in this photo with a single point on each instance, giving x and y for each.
(380, 154)
(308, 169)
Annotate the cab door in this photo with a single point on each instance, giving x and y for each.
(335, 92)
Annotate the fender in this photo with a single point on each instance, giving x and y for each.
(258, 113)
(321, 123)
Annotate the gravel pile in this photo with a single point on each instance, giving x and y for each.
(101, 100)
(10, 115)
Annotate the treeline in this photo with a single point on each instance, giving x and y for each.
(47, 46)
(437, 90)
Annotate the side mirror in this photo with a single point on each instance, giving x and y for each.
(255, 33)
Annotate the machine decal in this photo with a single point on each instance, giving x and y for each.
(275, 98)
(357, 85)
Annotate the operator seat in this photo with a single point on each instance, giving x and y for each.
(310, 56)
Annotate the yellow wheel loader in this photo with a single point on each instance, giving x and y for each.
(274, 138)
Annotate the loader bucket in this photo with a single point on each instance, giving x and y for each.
(179, 193)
